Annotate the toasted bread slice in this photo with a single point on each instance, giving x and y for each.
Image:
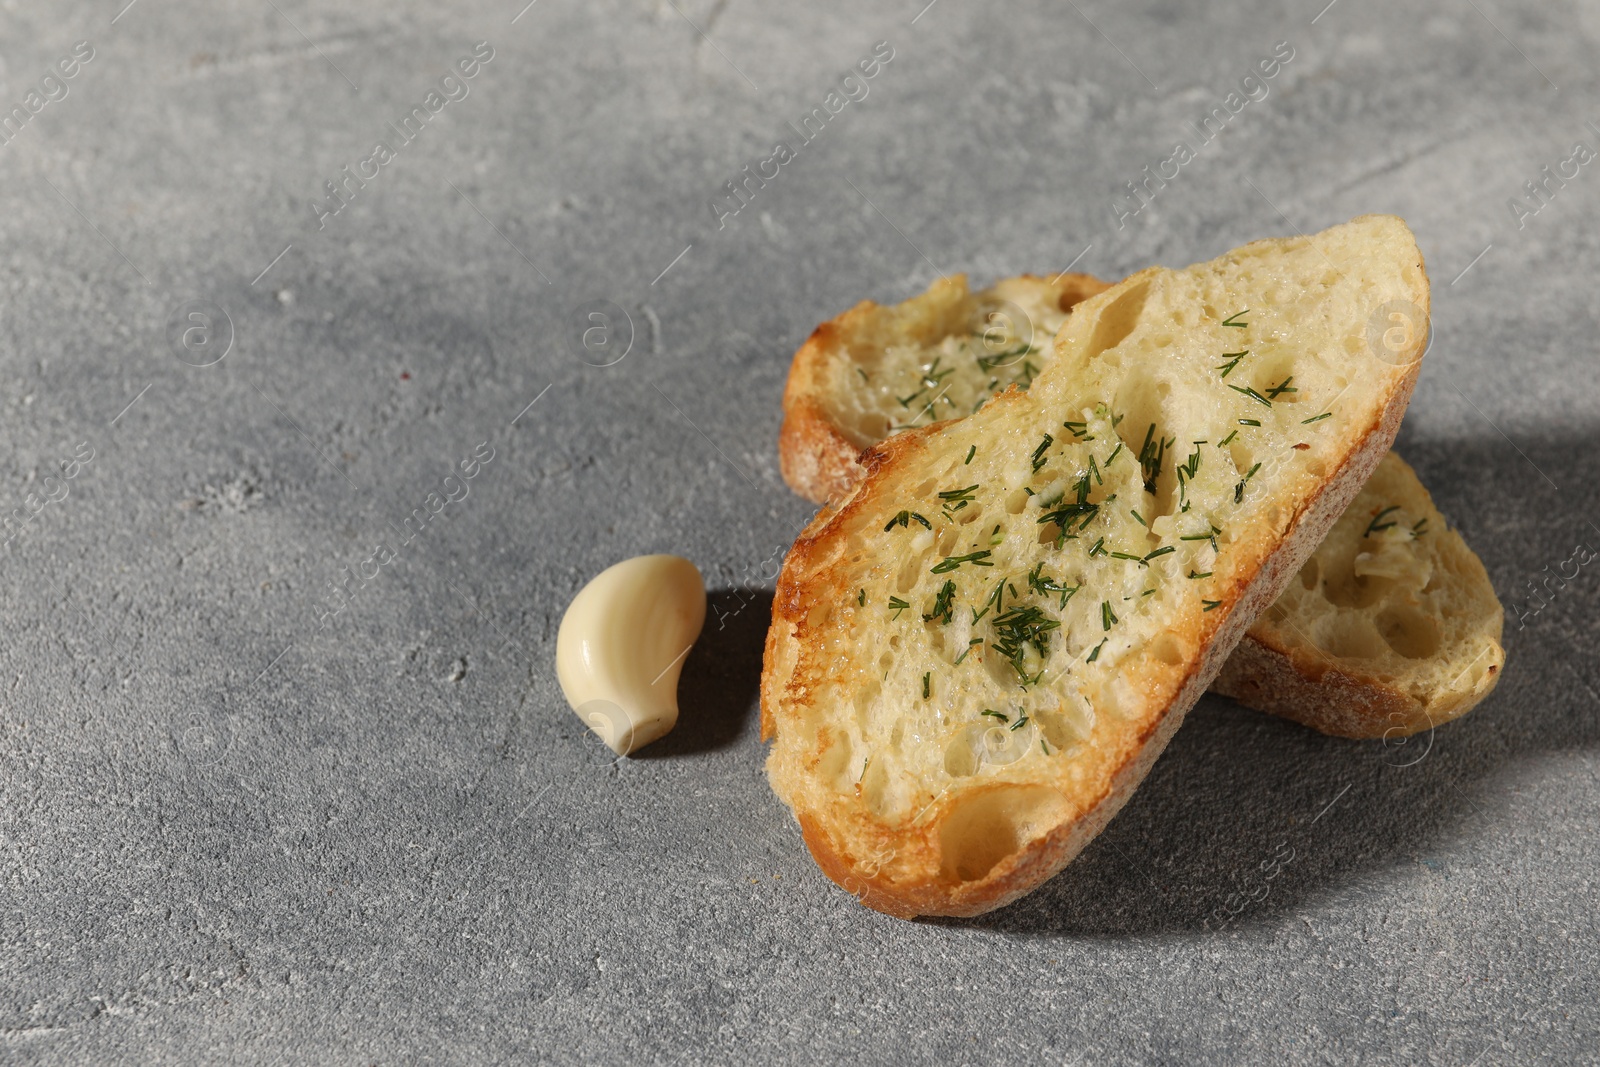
(1390, 628)
(976, 656)
(1352, 664)
(875, 370)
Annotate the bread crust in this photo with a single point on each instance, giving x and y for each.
(818, 458)
(918, 887)
(1268, 675)
(1325, 698)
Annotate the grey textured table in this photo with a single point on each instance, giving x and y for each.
(241, 825)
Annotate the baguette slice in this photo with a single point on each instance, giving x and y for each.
(1356, 648)
(847, 380)
(965, 678)
(1391, 627)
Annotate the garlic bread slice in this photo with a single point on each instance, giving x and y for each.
(978, 653)
(876, 369)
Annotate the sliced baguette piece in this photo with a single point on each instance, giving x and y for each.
(1391, 628)
(945, 352)
(1045, 708)
(1346, 653)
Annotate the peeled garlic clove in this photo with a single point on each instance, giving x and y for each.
(622, 644)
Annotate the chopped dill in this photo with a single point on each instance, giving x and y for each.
(1377, 525)
(1248, 422)
(999, 359)
(1238, 490)
(1193, 574)
(943, 603)
(1022, 721)
(959, 497)
(904, 519)
(1138, 518)
(1236, 325)
(1039, 459)
(996, 714)
(1191, 466)
(1162, 551)
(1211, 604)
(926, 679)
(1080, 430)
(1096, 653)
(1227, 368)
(1019, 628)
(1224, 442)
(1420, 528)
(1316, 418)
(1249, 391)
(974, 641)
(1152, 454)
(897, 605)
(1065, 515)
(1273, 392)
(950, 563)
(1038, 582)
(973, 451)
(996, 600)
(1107, 616)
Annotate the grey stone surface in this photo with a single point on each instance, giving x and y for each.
(237, 830)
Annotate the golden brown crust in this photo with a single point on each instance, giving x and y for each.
(1324, 697)
(816, 455)
(816, 459)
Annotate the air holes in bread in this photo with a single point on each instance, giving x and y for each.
(875, 787)
(837, 763)
(1168, 649)
(873, 426)
(1117, 320)
(984, 828)
(1352, 637)
(1409, 632)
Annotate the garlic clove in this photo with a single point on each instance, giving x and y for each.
(622, 644)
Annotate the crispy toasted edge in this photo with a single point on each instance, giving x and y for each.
(1339, 703)
(817, 458)
(1041, 859)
